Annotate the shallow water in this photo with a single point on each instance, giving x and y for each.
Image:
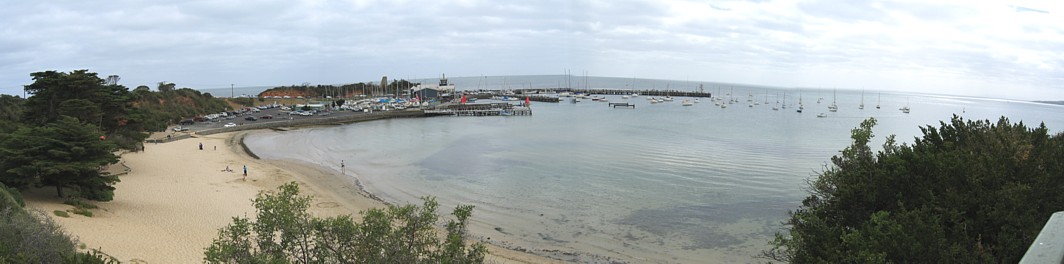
(659, 183)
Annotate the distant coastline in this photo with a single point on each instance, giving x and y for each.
(1051, 102)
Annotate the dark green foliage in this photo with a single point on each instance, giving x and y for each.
(283, 232)
(83, 95)
(10, 113)
(62, 154)
(61, 213)
(966, 192)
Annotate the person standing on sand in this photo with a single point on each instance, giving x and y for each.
(245, 172)
(200, 146)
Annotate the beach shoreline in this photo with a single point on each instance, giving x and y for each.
(175, 197)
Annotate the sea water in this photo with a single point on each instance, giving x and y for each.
(659, 183)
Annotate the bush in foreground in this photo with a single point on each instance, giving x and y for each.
(30, 236)
(966, 192)
(283, 232)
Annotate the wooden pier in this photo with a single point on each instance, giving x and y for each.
(616, 105)
(492, 109)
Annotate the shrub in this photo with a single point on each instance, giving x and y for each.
(61, 213)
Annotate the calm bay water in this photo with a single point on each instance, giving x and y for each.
(659, 183)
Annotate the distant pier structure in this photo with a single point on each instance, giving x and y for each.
(604, 91)
(490, 109)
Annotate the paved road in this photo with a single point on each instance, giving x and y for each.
(275, 112)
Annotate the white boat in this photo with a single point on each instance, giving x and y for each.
(697, 101)
(862, 101)
(625, 97)
(686, 102)
(667, 98)
(905, 109)
(833, 107)
(822, 115)
(877, 100)
(635, 95)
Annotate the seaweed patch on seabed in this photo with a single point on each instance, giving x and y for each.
(700, 224)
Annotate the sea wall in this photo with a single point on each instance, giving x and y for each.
(332, 120)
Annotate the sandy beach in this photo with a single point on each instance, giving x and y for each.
(170, 205)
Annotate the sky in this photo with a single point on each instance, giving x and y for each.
(1000, 49)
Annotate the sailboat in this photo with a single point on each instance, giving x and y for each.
(784, 100)
(877, 100)
(800, 106)
(862, 101)
(833, 107)
(905, 109)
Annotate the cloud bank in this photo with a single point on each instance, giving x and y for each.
(1010, 49)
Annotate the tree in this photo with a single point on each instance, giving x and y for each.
(965, 192)
(10, 113)
(283, 232)
(62, 154)
(166, 86)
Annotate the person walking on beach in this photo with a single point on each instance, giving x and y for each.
(245, 172)
(200, 146)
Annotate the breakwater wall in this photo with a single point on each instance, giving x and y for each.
(332, 120)
(616, 92)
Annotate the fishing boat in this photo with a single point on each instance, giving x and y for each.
(686, 102)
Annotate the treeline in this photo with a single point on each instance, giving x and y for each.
(29, 236)
(345, 90)
(72, 123)
(964, 192)
(168, 106)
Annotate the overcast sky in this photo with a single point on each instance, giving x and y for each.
(1009, 49)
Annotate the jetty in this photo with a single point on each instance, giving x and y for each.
(489, 109)
(521, 92)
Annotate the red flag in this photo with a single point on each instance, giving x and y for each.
(463, 99)
(527, 102)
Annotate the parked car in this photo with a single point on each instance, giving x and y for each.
(180, 128)
(267, 117)
(251, 118)
(230, 125)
